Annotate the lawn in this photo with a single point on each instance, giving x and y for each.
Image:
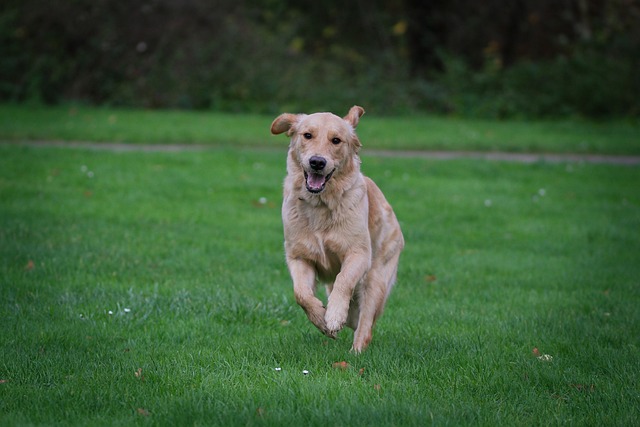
(76, 123)
(150, 287)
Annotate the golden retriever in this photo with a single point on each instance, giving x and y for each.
(338, 227)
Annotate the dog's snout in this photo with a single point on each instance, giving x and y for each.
(317, 163)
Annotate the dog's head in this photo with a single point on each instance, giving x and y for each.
(322, 144)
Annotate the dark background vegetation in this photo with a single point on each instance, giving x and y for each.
(519, 58)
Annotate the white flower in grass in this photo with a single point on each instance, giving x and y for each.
(305, 372)
(127, 310)
(278, 369)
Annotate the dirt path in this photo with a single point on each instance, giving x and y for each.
(437, 155)
(513, 157)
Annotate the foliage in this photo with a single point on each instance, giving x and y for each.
(529, 58)
(148, 287)
(587, 83)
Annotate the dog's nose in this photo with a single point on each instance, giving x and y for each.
(317, 163)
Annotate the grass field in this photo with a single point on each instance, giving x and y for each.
(149, 288)
(621, 137)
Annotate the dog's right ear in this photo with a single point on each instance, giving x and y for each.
(284, 123)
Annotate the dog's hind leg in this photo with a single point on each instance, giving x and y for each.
(354, 310)
(372, 296)
(373, 299)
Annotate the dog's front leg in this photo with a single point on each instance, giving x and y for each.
(353, 269)
(304, 280)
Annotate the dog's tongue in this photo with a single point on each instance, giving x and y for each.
(315, 181)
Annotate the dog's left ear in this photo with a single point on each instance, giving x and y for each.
(284, 123)
(353, 117)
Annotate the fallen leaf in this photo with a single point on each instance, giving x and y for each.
(377, 387)
(30, 265)
(263, 203)
(361, 371)
(430, 278)
(143, 412)
(3, 381)
(341, 365)
(536, 352)
(139, 375)
(260, 412)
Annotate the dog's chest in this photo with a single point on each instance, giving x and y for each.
(324, 234)
(326, 255)
(323, 248)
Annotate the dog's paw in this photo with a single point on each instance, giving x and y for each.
(331, 334)
(335, 319)
(318, 320)
(333, 327)
(316, 315)
(360, 342)
(337, 313)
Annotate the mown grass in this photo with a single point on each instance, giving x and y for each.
(77, 123)
(150, 288)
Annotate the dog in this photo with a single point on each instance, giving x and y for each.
(338, 227)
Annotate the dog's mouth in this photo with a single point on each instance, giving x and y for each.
(316, 182)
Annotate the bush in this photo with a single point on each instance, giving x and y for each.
(261, 56)
(587, 83)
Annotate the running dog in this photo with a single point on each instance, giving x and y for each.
(338, 227)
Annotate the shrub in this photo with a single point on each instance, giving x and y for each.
(261, 56)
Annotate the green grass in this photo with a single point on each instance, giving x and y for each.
(416, 132)
(500, 259)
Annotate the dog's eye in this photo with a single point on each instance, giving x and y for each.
(336, 141)
(307, 135)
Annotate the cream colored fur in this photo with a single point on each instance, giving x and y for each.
(338, 227)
